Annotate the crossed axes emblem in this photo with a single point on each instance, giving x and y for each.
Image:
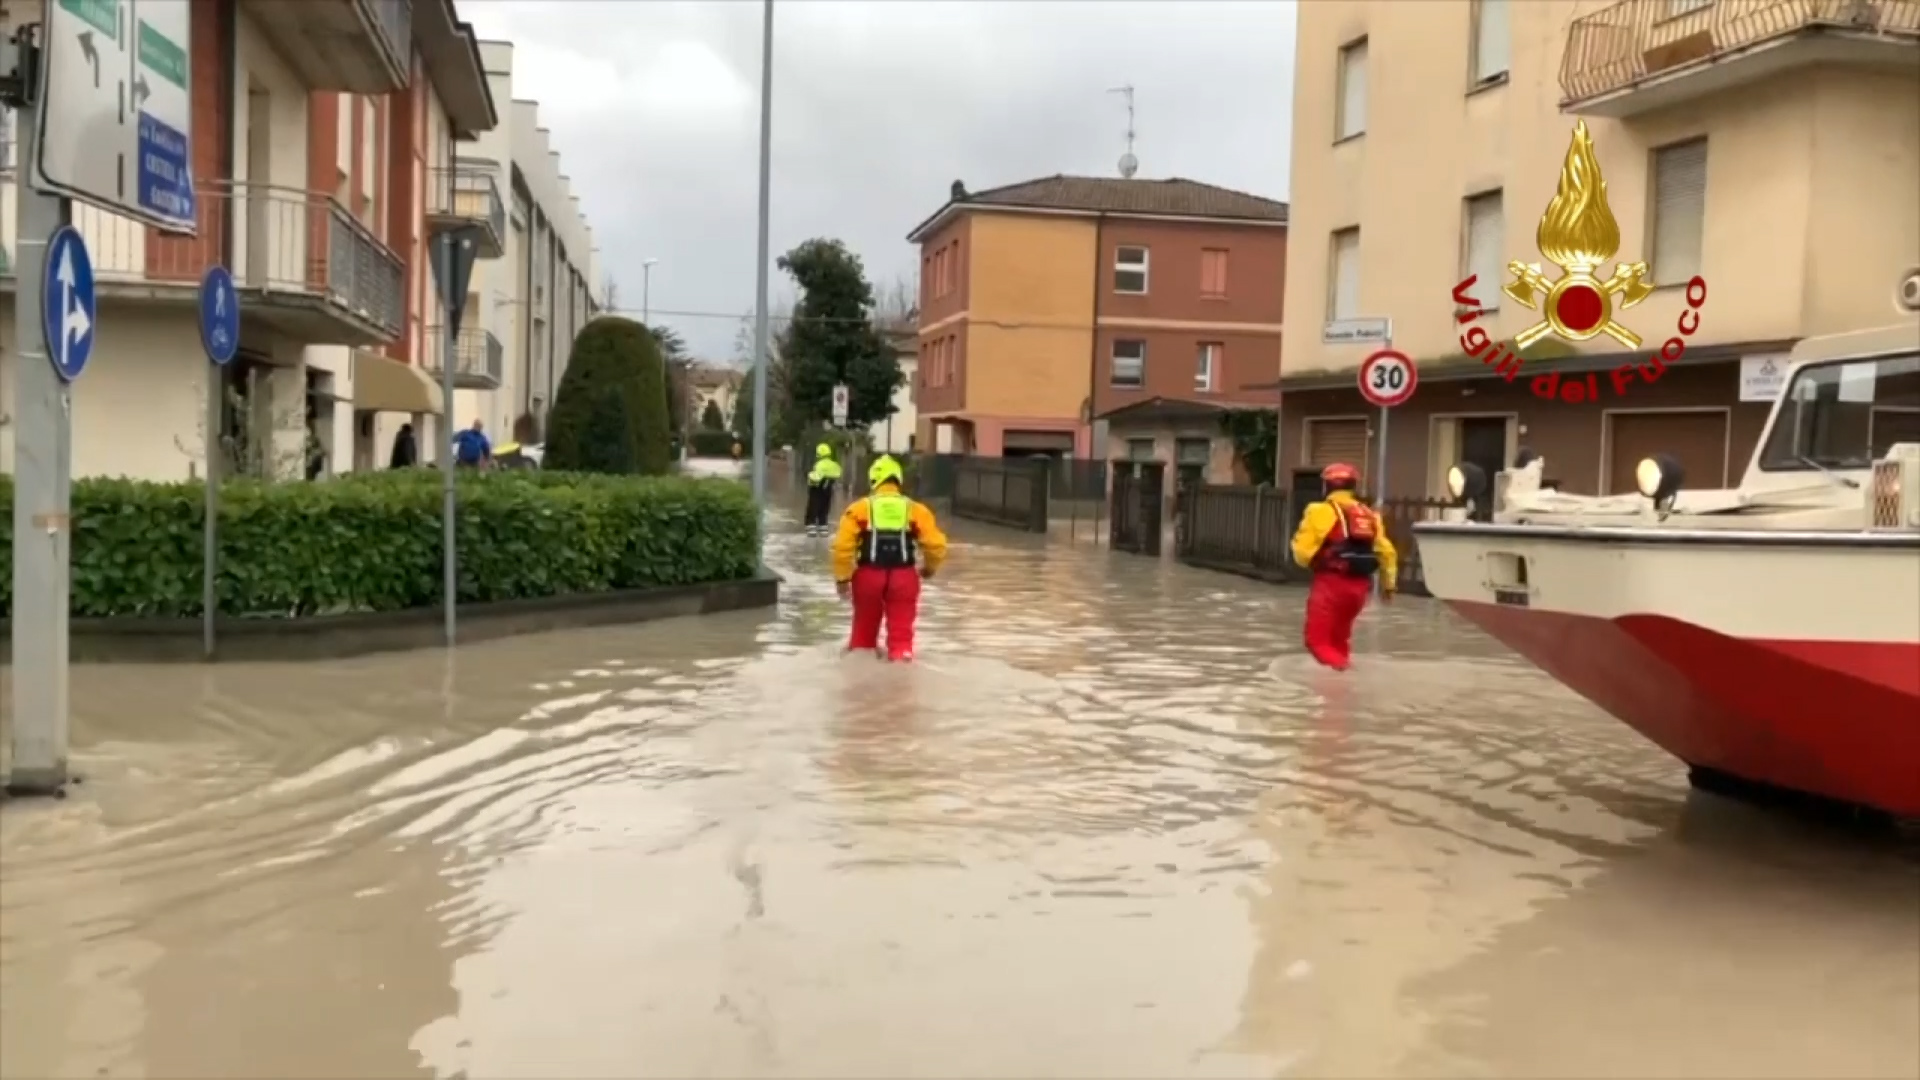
(1530, 287)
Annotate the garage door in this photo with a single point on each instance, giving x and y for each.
(1329, 441)
(1698, 439)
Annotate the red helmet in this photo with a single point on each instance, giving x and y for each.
(1339, 474)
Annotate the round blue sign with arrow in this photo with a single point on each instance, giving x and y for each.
(219, 315)
(68, 306)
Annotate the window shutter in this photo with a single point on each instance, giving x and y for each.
(1353, 89)
(1486, 235)
(1679, 210)
(1346, 274)
(1490, 44)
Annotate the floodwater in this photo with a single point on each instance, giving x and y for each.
(1109, 826)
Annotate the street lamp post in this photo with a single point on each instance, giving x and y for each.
(760, 339)
(646, 292)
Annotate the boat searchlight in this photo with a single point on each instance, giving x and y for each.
(1659, 478)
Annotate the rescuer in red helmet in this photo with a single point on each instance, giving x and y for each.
(1344, 542)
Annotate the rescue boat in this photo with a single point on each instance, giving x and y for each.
(1767, 636)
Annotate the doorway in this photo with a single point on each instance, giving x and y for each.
(1483, 441)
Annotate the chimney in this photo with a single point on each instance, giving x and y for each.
(959, 191)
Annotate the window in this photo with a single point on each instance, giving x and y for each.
(1213, 273)
(1352, 104)
(1206, 365)
(1343, 286)
(1192, 451)
(1839, 415)
(1679, 210)
(1490, 42)
(1130, 270)
(1129, 364)
(1482, 235)
(1139, 449)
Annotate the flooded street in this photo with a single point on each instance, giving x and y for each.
(1111, 825)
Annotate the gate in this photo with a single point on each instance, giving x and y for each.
(1134, 513)
(1003, 492)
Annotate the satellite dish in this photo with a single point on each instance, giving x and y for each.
(1129, 165)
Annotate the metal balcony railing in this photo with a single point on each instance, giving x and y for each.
(470, 194)
(393, 20)
(287, 243)
(1628, 42)
(479, 360)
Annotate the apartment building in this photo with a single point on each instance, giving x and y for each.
(524, 308)
(1770, 149)
(1097, 316)
(557, 283)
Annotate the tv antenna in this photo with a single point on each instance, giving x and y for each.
(1128, 163)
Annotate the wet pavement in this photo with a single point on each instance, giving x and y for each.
(1111, 825)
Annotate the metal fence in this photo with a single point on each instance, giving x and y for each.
(1003, 492)
(1249, 531)
(1134, 511)
(479, 359)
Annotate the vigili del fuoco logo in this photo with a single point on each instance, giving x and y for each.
(1577, 234)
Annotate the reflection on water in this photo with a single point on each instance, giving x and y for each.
(1112, 825)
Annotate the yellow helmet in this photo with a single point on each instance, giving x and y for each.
(823, 450)
(885, 469)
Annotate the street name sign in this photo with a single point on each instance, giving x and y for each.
(116, 116)
(68, 310)
(219, 315)
(1357, 332)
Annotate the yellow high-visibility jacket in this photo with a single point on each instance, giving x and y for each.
(824, 469)
(1318, 521)
(853, 530)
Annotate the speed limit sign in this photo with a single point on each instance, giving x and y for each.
(1387, 378)
(840, 405)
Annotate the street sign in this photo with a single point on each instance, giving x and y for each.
(67, 303)
(455, 276)
(219, 315)
(1388, 378)
(115, 119)
(840, 405)
(1357, 332)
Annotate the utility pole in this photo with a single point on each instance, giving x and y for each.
(761, 339)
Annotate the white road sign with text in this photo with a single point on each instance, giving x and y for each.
(116, 117)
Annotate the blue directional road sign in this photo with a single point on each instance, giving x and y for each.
(219, 315)
(68, 306)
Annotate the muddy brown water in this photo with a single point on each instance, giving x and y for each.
(1109, 826)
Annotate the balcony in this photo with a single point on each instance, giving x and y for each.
(304, 267)
(354, 46)
(468, 196)
(478, 358)
(1638, 56)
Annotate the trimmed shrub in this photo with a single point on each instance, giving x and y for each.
(371, 541)
(610, 411)
(712, 444)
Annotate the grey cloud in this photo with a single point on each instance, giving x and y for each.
(878, 108)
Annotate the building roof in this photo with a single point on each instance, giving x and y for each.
(1173, 197)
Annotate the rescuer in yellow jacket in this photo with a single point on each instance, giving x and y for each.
(881, 539)
(820, 481)
(1344, 542)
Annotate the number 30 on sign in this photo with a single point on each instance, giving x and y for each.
(1387, 378)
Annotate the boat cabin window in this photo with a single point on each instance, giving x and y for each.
(1845, 414)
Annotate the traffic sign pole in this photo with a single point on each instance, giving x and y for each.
(42, 486)
(220, 337)
(1388, 378)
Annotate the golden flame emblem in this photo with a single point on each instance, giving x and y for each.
(1578, 233)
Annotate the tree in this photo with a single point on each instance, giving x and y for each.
(742, 425)
(832, 340)
(672, 345)
(610, 413)
(896, 305)
(710, 417)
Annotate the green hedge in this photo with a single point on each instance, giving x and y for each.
(713, 444)
(371, 542)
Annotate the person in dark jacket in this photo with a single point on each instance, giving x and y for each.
(405, 451)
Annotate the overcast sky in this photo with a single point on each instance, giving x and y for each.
(878, 108)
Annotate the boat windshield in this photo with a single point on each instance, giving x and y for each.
(1845, 414)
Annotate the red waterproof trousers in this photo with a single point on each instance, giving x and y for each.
(891, 596)
(1333, 604)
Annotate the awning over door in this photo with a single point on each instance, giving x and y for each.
(384, 385)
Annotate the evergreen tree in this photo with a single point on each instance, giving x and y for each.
(610, 411)
(832, 340)
(710, 418)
